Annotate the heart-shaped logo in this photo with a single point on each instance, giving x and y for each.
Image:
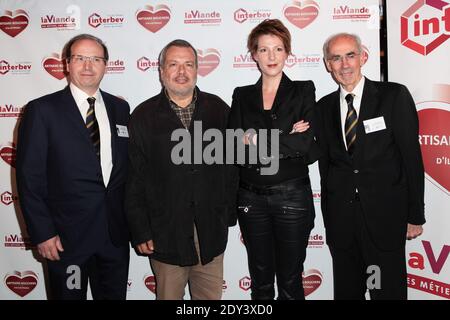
(21, 283)
(208, 60)
(312, 279)
(153, 19)
(8, 154)
(434, 137)
(54, 66)
(301, 13)
(13, 23)
(149, 282)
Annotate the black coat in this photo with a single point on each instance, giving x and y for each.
(164, 199)
(294, 101)
(386, 167)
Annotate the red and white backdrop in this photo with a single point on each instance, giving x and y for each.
(419, 51)
(32, 34)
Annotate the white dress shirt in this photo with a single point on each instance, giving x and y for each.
(357, 96)
(103, 124)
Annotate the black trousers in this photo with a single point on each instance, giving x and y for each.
(275, 223)
(106, 270)
(363, 267)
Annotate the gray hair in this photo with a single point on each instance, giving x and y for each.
(176, 43)
(67, 51)
(326, 45)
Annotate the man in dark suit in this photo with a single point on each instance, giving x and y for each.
(71, 171)
(179, 212)
(372, 175)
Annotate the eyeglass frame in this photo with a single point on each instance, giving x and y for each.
(347, 57)
(79, 58)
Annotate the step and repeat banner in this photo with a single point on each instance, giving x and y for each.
(33, 33)
(419, 51)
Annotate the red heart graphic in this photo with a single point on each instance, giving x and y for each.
(312, 279)
(13, 23)
(8, 154)
(434, 132)
(55, 67)
(301, 14)
(150, 283)
(21, 283)
(154, 19)
(207, 61)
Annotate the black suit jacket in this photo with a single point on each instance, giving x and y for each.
(386, 167)
(165, 199)
(294, 101)
(59, 177)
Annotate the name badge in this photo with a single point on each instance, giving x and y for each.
(122, 131)
(374, 125)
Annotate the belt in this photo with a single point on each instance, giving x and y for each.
(276, 189)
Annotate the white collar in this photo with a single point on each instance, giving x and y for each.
(81, 97)
(357, 90)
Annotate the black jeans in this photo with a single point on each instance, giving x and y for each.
(275, 223)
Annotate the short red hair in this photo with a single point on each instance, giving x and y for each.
(269, 27)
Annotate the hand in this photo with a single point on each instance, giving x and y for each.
(146, 247)
(413, 231)
(250, 138)
(49, 248)
(300, 126)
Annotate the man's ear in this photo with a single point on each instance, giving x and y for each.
(364, 57)
(327, 64)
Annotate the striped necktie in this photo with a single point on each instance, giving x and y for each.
(350, 124)
(92, 126)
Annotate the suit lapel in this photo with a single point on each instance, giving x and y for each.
(337, 123)
(255, 105)
(282, 93)
(255, 98)
(109, 105)
(367, 111)
(198, 111)
(74, 116)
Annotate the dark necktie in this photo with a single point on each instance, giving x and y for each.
(350, 124)
(92, 126)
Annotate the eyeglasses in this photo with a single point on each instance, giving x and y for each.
(78, 58)
(349, 57)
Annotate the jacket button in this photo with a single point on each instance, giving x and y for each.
(274, 116)
(192, 204)
(356, 171)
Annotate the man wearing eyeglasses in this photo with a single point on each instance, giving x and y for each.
(71, 168)
(372, 176)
